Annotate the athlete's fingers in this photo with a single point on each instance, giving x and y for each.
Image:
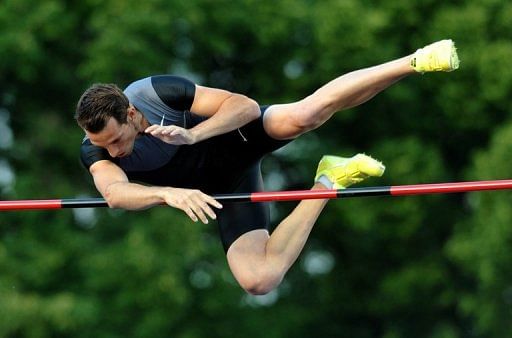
(200, 213)
(209, 212)
(176, 131)
(194, 203)
(159, 130)
(151, 128)
(211, 201)
(190, 213)
(205, 208)
(199, 208)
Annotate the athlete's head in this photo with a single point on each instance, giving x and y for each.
(108, 118)
(98, 104)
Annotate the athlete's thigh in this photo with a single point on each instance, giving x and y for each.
(285, 121)
(238, 218)
(247, 256)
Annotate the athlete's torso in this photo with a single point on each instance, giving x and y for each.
(213, 165)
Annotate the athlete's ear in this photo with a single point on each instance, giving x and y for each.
(131, 113)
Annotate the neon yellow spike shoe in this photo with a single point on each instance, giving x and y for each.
(339, 172)
(440, 56)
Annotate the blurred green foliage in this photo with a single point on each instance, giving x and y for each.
(426, 266)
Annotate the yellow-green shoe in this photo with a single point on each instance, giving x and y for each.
(440, 56)
(339, 172)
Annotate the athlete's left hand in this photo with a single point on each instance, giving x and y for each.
(172, 134)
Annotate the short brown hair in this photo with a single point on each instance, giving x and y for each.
(98, 104)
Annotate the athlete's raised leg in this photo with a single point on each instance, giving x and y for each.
(286, 121)
(259, 261)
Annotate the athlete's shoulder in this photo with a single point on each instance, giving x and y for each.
(176, 92)
(138, 86)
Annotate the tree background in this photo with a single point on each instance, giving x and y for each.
(426, 266)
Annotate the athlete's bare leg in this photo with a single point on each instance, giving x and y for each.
(259, 261)
(287, 121)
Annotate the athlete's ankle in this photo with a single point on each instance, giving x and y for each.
(320, 185)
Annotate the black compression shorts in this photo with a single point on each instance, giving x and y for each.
(228, 163)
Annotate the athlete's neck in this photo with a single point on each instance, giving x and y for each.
(144, 123)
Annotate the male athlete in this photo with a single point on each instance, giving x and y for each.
(185, 141)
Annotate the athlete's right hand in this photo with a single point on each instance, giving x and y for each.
(172, 134)
(193, 202)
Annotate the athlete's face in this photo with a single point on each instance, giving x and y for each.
(117, 138)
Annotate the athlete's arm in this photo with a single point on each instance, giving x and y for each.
(112, 183)
(226, 111)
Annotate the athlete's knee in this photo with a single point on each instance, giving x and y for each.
(308, 115)
(261, 282)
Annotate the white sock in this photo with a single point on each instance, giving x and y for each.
(325, 181)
